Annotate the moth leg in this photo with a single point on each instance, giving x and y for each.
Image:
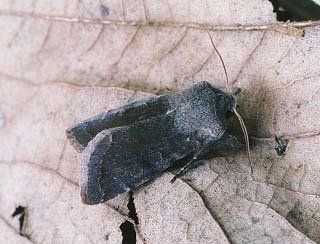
(201, 150)
(226, 144)
(186, 166)
(82, 133)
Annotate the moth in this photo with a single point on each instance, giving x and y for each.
(125, 147)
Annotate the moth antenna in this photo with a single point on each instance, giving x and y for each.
(220, 57)
(242, 124)
(246, 138)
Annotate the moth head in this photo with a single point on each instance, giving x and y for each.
(228, 88)
(224, 104)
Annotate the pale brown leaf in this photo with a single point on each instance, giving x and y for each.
(63, 61)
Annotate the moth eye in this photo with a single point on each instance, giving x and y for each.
(229, 114)
(236, 91)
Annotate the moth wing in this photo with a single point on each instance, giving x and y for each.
(122, 158)
(81, 133)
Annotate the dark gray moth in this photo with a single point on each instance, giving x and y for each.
(125, 147)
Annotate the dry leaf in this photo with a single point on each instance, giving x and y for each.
(63, 61)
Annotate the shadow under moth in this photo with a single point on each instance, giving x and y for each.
(125, 147)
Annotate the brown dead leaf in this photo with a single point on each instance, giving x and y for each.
(63, 61)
